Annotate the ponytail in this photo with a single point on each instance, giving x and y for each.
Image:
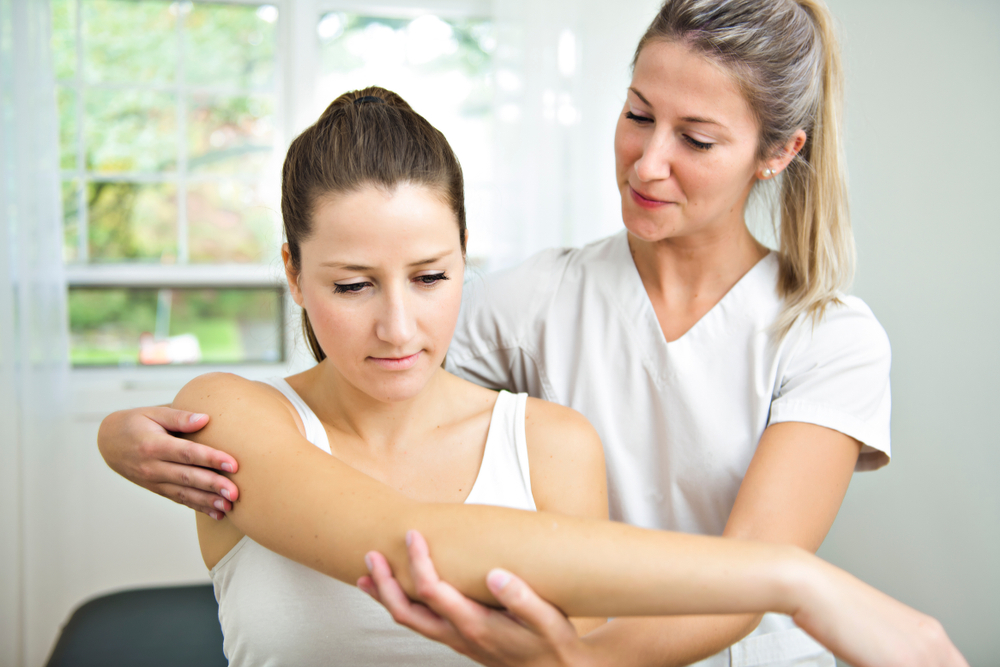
(817, 253)
(785, 58)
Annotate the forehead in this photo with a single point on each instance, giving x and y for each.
(374, 219)
(676, 79)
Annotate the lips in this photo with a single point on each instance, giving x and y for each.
(395, 363)
(644, 200)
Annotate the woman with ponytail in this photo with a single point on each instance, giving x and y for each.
(735, 389)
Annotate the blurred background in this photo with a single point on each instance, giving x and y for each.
(141, 150)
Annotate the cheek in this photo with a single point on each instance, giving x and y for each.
(442, 314)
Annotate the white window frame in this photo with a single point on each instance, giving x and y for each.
(181, 275)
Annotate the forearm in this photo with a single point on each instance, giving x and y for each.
(669, 641)
(309, 506)
(326, 515)
(595, 568)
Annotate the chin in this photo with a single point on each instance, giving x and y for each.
(642, 227)
(398, 389)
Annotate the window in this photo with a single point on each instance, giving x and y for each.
(168, 134)
(441, 64)
(172, 136)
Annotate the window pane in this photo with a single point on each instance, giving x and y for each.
(125, 326)
(230, 134)
(66, 100)
(231, 45)
(126, 41)
(130, 130)
(442, 67)
(229, 222)
(64, 38)
(132, 221)
(71, 220)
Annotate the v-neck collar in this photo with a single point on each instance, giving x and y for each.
(639, 315)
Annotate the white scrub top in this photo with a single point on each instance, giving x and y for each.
(680, 421)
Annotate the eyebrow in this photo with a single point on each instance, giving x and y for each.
(361, 267)
(686, 119)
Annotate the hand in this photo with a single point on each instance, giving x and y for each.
(530, 633)
(137, 445)
(868, 628)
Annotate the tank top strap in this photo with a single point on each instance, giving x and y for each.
(505, 477)
(315, 431)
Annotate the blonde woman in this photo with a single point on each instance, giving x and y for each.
(735, 389)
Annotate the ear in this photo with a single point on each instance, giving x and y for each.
(291, 274)
(782, 157)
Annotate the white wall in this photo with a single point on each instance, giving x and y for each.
(923, 103)
(924, 153)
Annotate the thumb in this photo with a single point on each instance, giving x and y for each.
(524, 603)
(178, 421)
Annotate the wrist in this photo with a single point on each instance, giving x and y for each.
(799, 581)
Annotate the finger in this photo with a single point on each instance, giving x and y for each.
(468, 617)
(199, 501)
(179, 421)
(526, 605)
(194, 477)
(405, 612)
(367, 585)
(425, 576)
(168, 448)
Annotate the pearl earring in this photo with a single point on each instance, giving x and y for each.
(767, 173)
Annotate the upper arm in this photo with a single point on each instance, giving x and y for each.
(829, 417)
(794, 486)
(294, 498)
(566, 460)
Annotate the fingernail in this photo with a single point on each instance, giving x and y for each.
(227, 468)
(225, 494)
(497, 579)
(368, 562)
(215, 515)
(193, 418)
(219, 505)
(409, 537)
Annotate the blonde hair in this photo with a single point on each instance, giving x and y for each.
(785, 57)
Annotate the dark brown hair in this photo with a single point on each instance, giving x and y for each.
(368, 137)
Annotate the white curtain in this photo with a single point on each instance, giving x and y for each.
(33, 322)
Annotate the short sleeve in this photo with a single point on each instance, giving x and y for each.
(836, 375)
(495, 343)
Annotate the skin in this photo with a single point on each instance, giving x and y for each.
(687, 158)
(585, 568)
(380, 276)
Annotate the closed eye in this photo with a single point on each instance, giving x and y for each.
(350, 288)
(431, 278)
(700, 145)
(637, 119)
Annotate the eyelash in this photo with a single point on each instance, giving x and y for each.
(354, 288)
(694, 143)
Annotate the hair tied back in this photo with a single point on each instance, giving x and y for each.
(369, 99)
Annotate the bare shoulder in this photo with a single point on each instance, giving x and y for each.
(566, 459)
(235, 405)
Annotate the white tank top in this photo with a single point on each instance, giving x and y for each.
(275, 611)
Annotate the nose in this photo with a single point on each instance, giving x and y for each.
(654, 163)
(395, 323)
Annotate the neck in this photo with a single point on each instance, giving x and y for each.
(696, 267)
(381, 424)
